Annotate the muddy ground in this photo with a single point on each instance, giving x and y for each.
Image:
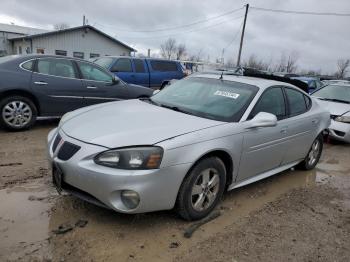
(293, 216)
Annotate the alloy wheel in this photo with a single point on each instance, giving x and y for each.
(314, 152)
(205, 189)
(17, 114)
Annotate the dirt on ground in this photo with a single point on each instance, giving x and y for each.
(292, 216)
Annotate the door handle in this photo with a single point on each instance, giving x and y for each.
(284, 130)
(315, 121)
(40, 83)
(91, 87)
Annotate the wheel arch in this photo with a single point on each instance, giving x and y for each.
(19, 92)
(224, 156)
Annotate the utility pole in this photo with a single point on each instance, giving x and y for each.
(83, 20)
(242, 35)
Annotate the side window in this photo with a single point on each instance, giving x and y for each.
(56, 67)
(271, 101)
(91, 72)
(164, 66)
(139, 66)
(296, 102)
(312, 84)
(28, 65)
(307, 102)
(122, 65)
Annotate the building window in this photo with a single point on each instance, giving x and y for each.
(20, 50)
(40, 51)
(78, 55)
(61, 52)
(92, 55)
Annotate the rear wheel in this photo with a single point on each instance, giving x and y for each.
(313, 155)
(202, 189)
(17, 113)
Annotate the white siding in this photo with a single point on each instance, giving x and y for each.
(82, 40)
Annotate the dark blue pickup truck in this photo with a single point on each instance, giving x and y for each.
(149, 72)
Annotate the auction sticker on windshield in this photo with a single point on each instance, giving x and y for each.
(226, 94)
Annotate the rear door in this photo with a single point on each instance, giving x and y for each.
(264, 148)
(99, 86)
(301, 125)
(122, 68)
(141, 74)
(161, 70)
(57, 84)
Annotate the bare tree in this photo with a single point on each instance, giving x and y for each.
(342, 65)
(61, 26)
(180, 51)
(254, 62)
(288, 63)
(291, 65)
(168, 49)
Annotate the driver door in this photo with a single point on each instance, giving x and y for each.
(99, 85)
(264, 147)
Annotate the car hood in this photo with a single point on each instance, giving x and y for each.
(131, 122)
(334, 108)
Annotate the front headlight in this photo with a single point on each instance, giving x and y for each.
(131, 158)
(344, 119)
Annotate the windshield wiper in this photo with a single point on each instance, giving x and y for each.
(334, 100)
(177, 109)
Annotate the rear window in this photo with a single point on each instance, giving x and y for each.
(164, 66)
(5, 59)
(297, 104)
(28, 65)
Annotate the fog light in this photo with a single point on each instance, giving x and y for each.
(130, 199)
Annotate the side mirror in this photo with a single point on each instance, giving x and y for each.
(116, 80)
(156, 91)
(263, 119)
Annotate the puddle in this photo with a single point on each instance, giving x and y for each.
(23, 223)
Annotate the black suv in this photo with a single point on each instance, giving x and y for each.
(40, 85)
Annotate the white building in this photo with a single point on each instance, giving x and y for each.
(82, 42)
(12, 31)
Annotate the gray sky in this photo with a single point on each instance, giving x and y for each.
(318, 40)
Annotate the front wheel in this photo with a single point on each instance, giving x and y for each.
(202, 189)
(17, 113)
(314, 154)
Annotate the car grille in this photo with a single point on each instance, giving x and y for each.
(56, 142)
(67, 150)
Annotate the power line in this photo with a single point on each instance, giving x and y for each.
(174, 27)
(299, 12)
(185, 32)
(234, 38)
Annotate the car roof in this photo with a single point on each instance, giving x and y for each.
(259, 82)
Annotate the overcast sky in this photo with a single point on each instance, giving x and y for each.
(318, 40)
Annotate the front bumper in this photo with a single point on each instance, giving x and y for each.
(157, 188)
(340, 131)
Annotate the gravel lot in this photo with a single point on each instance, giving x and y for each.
(293, 216)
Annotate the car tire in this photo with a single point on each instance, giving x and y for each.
(313, 155)
(201, 189)
(21, 109)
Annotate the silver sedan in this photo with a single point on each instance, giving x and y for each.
(187, 144)
(336, 99)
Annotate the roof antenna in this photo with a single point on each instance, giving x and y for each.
(221, 77)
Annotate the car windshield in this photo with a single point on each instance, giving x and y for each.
(104, 61)
(209, 98)
(337, 93)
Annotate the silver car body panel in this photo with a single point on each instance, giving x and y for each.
(255, 153)
(338, 130)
